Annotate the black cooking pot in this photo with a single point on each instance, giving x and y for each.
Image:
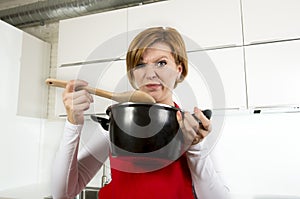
(143, 130)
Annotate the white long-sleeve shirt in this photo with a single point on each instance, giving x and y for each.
(73, 169)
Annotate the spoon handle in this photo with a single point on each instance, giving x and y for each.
(95, 91)
(129, 96)
(56, 83)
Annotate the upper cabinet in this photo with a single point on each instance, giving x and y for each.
(270, 20)
(216, 80)
(231, 71)
(93, 37)
(273, 72)
(10, 55)
(109, 76)
(204, 24)
(35, 63)
(24, 68)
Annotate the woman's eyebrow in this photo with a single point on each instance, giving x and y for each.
(155, 59)
(161, 57)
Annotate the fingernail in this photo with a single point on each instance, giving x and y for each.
(196, 109)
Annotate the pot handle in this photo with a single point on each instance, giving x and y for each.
(103, 121)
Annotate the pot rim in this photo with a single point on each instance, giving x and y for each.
(128, 104)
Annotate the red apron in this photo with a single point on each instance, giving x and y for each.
(171, 182)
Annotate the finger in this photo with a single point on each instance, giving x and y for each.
(196, 123)
(184, 121)
(82, 96)
(187, 130)
(73, 85)
(203, 133)
(77, 101)
(179, 119)
(204, 120)
(82, 107)
(197, 135)
(192, 122)
(197, 139)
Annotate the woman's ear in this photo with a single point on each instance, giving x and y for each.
(179, 70)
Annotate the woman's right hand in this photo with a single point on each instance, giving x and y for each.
(76, 101)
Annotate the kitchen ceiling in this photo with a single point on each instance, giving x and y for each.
(22, 13)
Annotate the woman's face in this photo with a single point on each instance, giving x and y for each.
(157, 73)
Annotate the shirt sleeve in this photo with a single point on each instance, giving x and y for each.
(206, 174)
(72, 170)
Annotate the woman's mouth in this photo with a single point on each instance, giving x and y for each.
(153, 86)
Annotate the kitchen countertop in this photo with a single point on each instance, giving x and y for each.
(32, 191)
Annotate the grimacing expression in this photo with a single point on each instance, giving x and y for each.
(156, 73)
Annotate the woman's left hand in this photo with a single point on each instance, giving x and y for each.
(193, 132)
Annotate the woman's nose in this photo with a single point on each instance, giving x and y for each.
(150, 72)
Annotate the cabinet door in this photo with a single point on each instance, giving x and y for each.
(33, 92)
(93, 37)
(24, 66)
(110, 76)
(10, 55)
(207, 23)
(273, 74)
(216, 79)
(270, 20)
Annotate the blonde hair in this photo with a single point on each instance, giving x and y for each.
(150, 36)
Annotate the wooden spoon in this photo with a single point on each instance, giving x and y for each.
(129, 96)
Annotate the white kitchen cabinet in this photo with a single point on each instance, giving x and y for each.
(33, 92)
(269, 20)
(25, 65)
(92, 37)
(216, 80)
(110, 76)
(273, 74)
(204, 24)
(10, 55)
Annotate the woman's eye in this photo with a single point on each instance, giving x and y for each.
(161, 63)
(140, 65)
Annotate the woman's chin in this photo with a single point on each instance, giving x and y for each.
(156, 96)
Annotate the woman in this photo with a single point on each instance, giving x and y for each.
(156, 62)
